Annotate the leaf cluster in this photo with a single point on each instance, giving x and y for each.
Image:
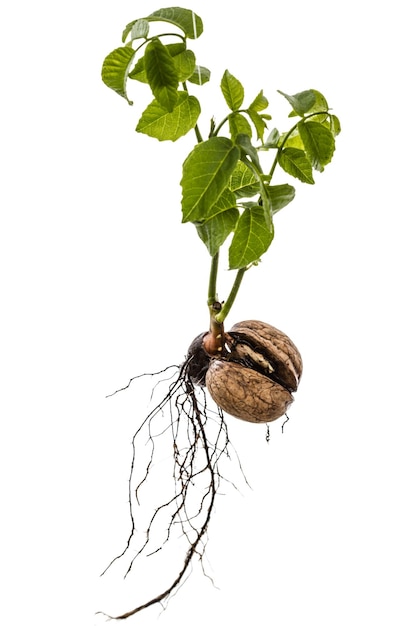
(225, 190)
(166, 68)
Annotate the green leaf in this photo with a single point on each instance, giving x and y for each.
(214, 232)
(115, 70)
(260, 103)
(301, 102)
(184, 64)
(334, 125)
(232, 91)
(238, 124)
(251, 240)
(247, 149)
(280, 196)
(175, 48)
(140, 30)
(320, 107)
(200, 75)
(188, 21)
(157, 122)
(293, 141)
(272, 139)
(161, 74)
(139, 72)
(206, 173)
(243, 182)
(320, 103)
(226, 201)
(318, 143)
(127, 30)
(258, 122)
(295, 162)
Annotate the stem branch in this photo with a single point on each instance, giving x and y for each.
(212, 295)
(221, 316)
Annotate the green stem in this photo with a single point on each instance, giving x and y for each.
(212, 295)
(264, 194)
(221, 316)
(222, 123)
(215, 131)
(198, 134)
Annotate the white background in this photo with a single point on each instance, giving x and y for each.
(101, 281)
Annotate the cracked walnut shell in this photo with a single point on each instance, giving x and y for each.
(255, 380)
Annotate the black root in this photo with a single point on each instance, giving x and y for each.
(198, 438)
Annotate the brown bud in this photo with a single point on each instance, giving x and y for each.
(255, 381)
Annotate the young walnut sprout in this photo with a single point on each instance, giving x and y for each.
(231, 193)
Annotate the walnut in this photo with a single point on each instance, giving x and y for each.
(254, 374)
(255, 379)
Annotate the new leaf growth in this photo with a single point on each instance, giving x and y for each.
(225, 190)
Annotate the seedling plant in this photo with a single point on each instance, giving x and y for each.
(232, 199)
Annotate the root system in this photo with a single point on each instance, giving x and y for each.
(198, 438)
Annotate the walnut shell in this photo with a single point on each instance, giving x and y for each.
(255, 380)
(245, 393)
(281, 357)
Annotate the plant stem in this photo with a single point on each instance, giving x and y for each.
(198, 134)
(221, 316)
(212, 295)
(226, 119)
